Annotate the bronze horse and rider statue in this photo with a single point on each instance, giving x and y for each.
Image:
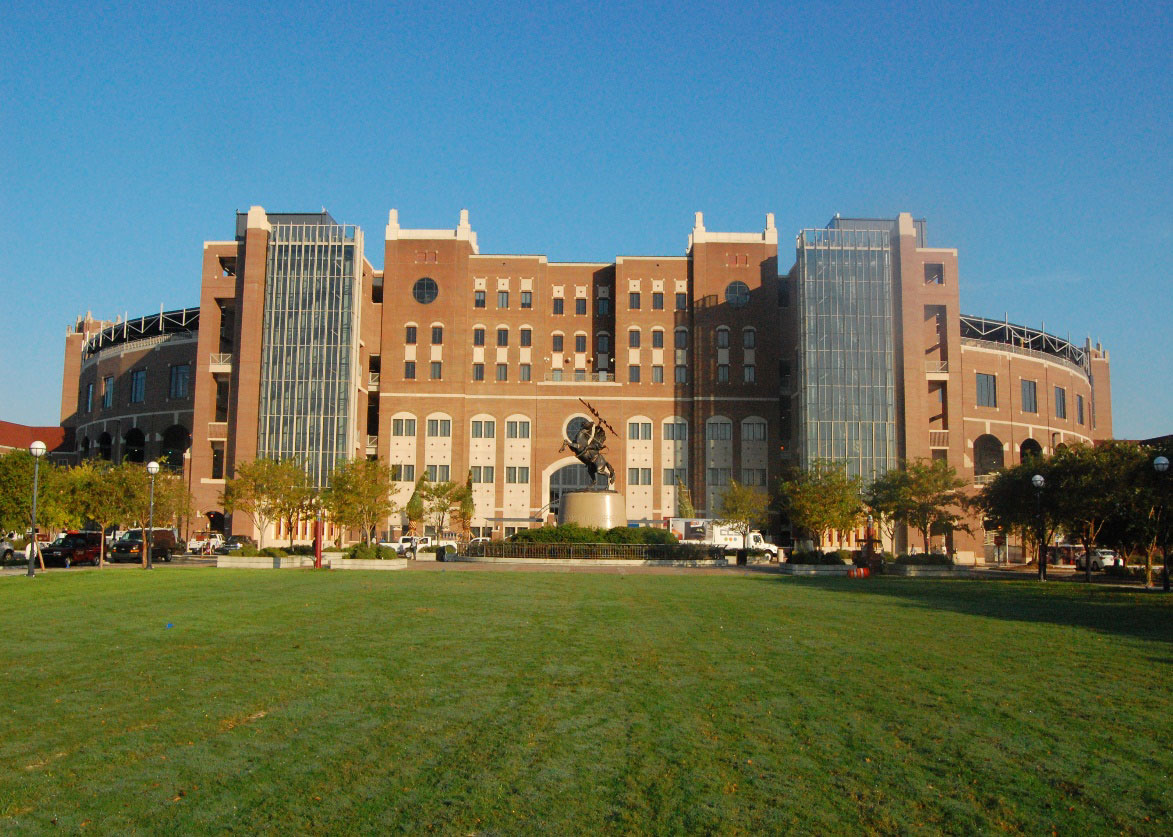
(588, 445)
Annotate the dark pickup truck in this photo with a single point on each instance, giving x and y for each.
(130, 546)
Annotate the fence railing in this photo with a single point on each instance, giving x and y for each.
(220, 359)
(938, 438)
(936, 366)
(595, 551)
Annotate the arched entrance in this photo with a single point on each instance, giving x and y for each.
(134, 446)
(987, 455)
(176, 440)
(105, 447)
(1029, 448)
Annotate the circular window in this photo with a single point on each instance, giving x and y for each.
(575, 425)
(737, 294)
(425, 290)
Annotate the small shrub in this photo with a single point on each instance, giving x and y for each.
(274, 552)
(302, 549)
(638, 535)
(247, 551)
(921, 559)
(805, 556)
(835, 558)
(363, 552)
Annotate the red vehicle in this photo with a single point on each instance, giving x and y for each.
(74, 548)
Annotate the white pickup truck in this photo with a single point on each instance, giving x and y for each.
(421, 542)
(698, 530)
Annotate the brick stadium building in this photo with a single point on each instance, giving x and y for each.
(712, 366)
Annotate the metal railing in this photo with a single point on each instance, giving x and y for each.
(983, 479)
(220, 359)
(938, 438)
(372, 441)
(936, 366)
(373, 379)
(595, 551)
(581, 378)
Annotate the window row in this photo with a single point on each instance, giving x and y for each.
(480, 429)
(749, 337)
(749, 373)
(722, 431)
(178, 387)
(987, 396)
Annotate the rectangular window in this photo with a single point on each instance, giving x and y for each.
(633, 374)
(502, 371)
(478, 299)
(409, 370)
(749, 338)
(753, 431)
(639, 430)
(482, 473)
(89, 398)
(987, 390)
(934, 274)
(517, 475)
(437, 370)
(437, 335)
(478, 371)
(1060, 403)
(478, 337)
(633, 300)
(719, 431)
(681, 338)
(438, 473)
(719, 476)
(657, 339)
(681, 302)
(179, 377)
(527, 301)
(556, 342)
(603, 306)
(633, 476)
(580, 306)
(502, 337)
(217, 460)
(138, 386)
(722, 338)
(527, 337)
(675, 431)
(517, 429)
(748, 374)
(555, 374)
(657, 374)
(403, 427)
(558, 304)
(502, 299)
(674, 475)
(753, 476)
(409, 335)
(1030, 396)
(406, 473)
(722, 373)
(657, 301)
(440, 428)
(580, 342)
(484, 429)
(523, 372)
(681, 375)
(1079, 409)
(633, 338)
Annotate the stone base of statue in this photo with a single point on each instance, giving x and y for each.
(602, 509)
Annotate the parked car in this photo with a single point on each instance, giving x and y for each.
(74, 548)
(130, 546)
(205, 541)
(7, 552)
(421, 542)
(234, 544)
(1101, 558)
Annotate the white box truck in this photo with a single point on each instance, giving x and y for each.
(699, 530)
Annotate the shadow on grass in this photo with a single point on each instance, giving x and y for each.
(1147, 616)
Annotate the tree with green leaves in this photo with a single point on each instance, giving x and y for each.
(360, 494)
(1011, 503)
(268, 491)
(684, 505)
(465, 510)
(823, 498)
(929, 498)
(98, 496)
(743, 508)
(414, 510)
(441, 500)
(54, 509)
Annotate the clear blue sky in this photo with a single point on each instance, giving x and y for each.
(1034, 137)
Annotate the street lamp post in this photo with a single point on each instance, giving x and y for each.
(149, 542)
(37, 449)
(1038, 482)
(1161, 465)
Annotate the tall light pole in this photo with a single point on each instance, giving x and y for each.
(1161, 465)
(1038, 482)
(37, 449)
(149, 541)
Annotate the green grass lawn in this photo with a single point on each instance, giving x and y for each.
(505, 703)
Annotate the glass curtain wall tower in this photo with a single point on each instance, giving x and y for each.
(847, 390)
(309, 346)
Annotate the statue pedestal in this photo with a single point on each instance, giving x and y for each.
(604, 509)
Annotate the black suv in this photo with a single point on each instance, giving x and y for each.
(130, 546)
